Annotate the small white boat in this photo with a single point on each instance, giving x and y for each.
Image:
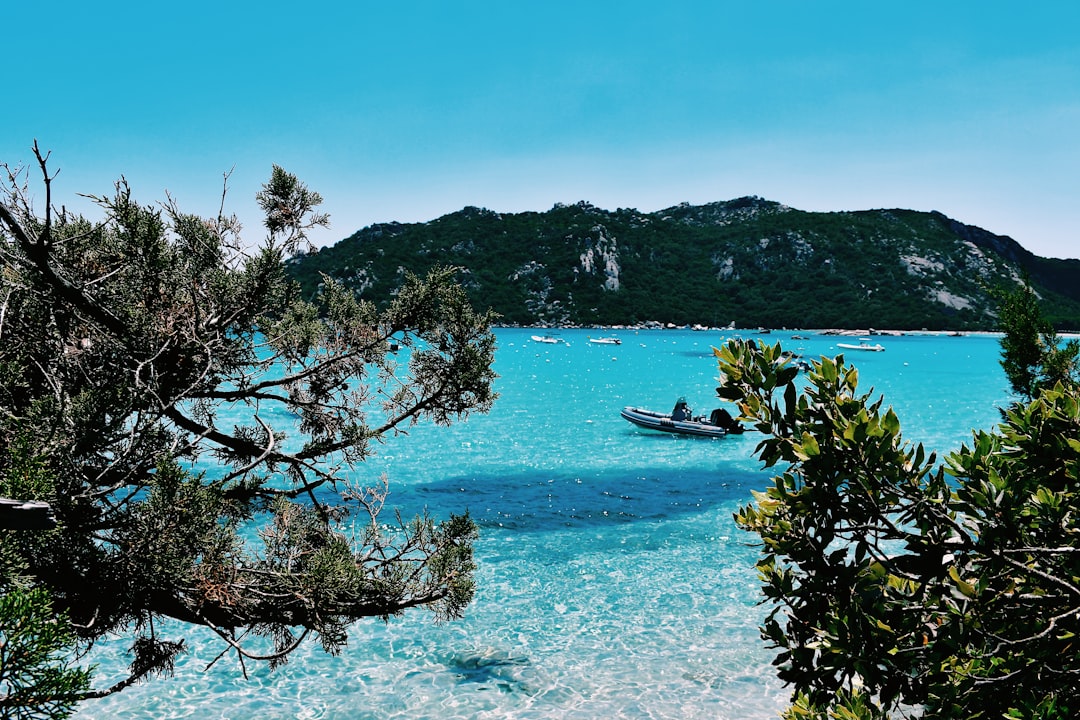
(863, 345)
(606, 341)
(718, 425)
(547, 339)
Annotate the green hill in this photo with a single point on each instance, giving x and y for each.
(749, 261)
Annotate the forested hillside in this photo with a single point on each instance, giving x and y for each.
(749, 261)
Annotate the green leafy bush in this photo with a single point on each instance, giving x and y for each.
(897, 581)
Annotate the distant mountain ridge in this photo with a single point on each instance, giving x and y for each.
(750, 261)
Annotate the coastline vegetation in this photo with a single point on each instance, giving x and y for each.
(122, 342)
(900, 584)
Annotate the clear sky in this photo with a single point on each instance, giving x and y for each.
(405, 110)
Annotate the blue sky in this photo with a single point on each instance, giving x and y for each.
(409, 110)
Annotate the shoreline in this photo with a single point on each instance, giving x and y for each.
(826, 332)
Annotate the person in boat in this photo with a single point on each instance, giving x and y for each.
(681, 411)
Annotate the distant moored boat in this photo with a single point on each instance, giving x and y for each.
(863, 345)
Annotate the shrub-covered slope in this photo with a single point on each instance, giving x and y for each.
(749, 261)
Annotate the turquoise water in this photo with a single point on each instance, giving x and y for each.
(612, 581)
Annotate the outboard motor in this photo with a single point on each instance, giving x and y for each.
(722, 418)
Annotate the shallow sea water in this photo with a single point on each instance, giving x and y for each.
(612, 580)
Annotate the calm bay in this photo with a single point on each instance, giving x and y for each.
(612, 581)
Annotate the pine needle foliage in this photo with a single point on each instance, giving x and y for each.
(139, 345)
